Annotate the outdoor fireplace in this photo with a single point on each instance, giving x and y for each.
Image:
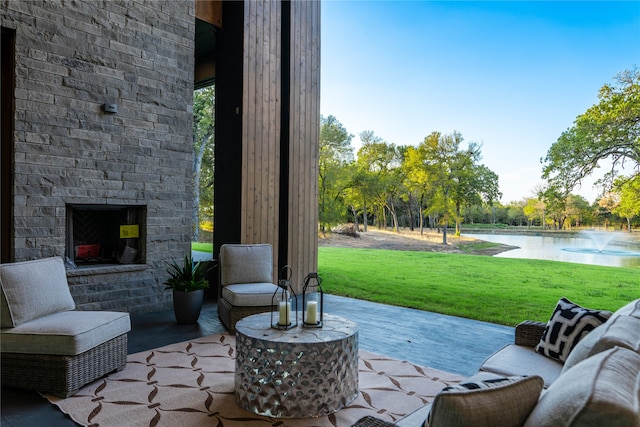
(105, 234)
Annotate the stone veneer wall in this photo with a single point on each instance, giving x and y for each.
(71, 58)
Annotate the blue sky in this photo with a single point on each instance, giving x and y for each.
(509, 75)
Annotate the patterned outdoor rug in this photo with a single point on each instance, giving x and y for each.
(192, 384)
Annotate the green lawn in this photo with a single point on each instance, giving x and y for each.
(203, 247)
(497, 290)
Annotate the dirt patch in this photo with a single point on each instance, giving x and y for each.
(407, 240)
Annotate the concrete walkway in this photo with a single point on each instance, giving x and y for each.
(449, 343)
(201, 256)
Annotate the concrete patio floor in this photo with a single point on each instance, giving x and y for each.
(442, 342)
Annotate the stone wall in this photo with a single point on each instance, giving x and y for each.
(71, 58)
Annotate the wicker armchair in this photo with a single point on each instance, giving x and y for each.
(246, 282)
(47, 345)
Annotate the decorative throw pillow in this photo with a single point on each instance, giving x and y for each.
(567, 325)
(480, 402)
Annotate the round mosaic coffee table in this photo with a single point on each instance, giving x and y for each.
(297, 373)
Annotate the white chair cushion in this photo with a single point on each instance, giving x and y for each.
(631, 309)
(621, 331)
(514, 359)
(31, 289)
(65, 333)
(602, 390)
(249, 294)
(246, 264)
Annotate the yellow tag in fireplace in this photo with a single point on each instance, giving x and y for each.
(129, 231)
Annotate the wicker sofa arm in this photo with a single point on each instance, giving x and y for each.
(529, 332)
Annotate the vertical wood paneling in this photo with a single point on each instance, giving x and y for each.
(304, 136)
(261, 122)
(261, 135)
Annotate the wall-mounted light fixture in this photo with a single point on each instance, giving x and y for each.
(110, 108)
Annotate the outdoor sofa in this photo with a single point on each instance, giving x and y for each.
(48, 345)
(581, 368)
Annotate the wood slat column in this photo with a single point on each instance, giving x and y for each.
(304, 128)
(274, 199)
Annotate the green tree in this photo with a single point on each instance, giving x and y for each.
(373, 168)
(335, 155)
(451, 169)
(535, 210)
(203, 157)
(608, 130)
(629, 196)
(606, 205)
(577, 210)
(488, 187)
(515, 213)
(555, 202)
(465, 183)
(393, 189)
(418, 180)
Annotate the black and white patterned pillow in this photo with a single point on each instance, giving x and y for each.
(568, 324)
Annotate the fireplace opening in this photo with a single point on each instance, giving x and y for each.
(106, 234)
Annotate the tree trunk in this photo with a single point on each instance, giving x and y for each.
(355, 217)
(444, 230)
(394, 217)
(412, 221)
(365, 219)
(457, 219)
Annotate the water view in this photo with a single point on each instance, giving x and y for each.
(597, 248)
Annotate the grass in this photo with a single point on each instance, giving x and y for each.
(202, 247)
(498, 290)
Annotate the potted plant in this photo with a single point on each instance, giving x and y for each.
(188, 283)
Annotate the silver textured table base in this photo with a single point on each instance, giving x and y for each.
(297, 373)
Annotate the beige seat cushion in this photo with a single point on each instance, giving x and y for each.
(249, 294)
(31, 289)
(519, 360)
(65, 333)
(602, 390)
(621, 331)
(486, 400)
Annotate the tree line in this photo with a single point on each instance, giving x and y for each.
(441, 183)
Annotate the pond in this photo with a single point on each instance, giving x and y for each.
(612, 249)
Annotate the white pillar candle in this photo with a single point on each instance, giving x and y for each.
(285, 313)
(312, 312)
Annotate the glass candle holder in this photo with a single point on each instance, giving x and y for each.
(284, 313)
(312, 301)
